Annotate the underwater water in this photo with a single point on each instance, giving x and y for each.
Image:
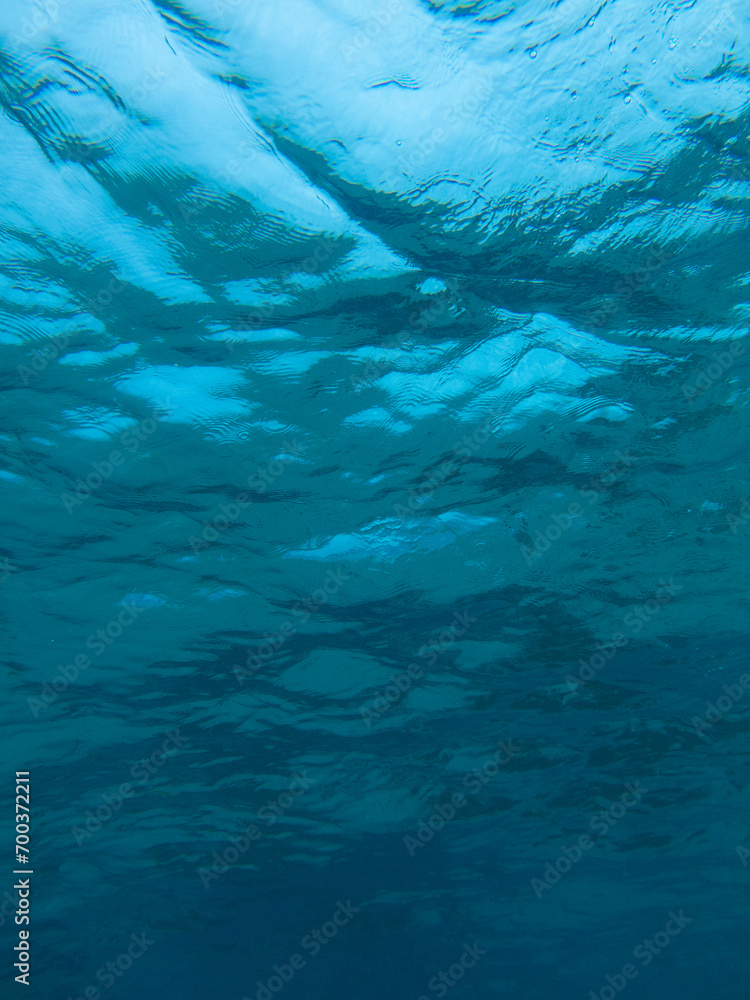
(376, 498)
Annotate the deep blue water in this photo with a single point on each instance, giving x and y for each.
(376, 498)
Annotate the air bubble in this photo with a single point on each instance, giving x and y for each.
(532, 54)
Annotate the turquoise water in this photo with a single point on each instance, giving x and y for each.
(376, 498)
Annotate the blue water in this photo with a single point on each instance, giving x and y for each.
(376, 498)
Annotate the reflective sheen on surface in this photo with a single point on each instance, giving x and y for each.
(375, 481)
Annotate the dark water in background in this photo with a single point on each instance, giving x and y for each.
(375, 392)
